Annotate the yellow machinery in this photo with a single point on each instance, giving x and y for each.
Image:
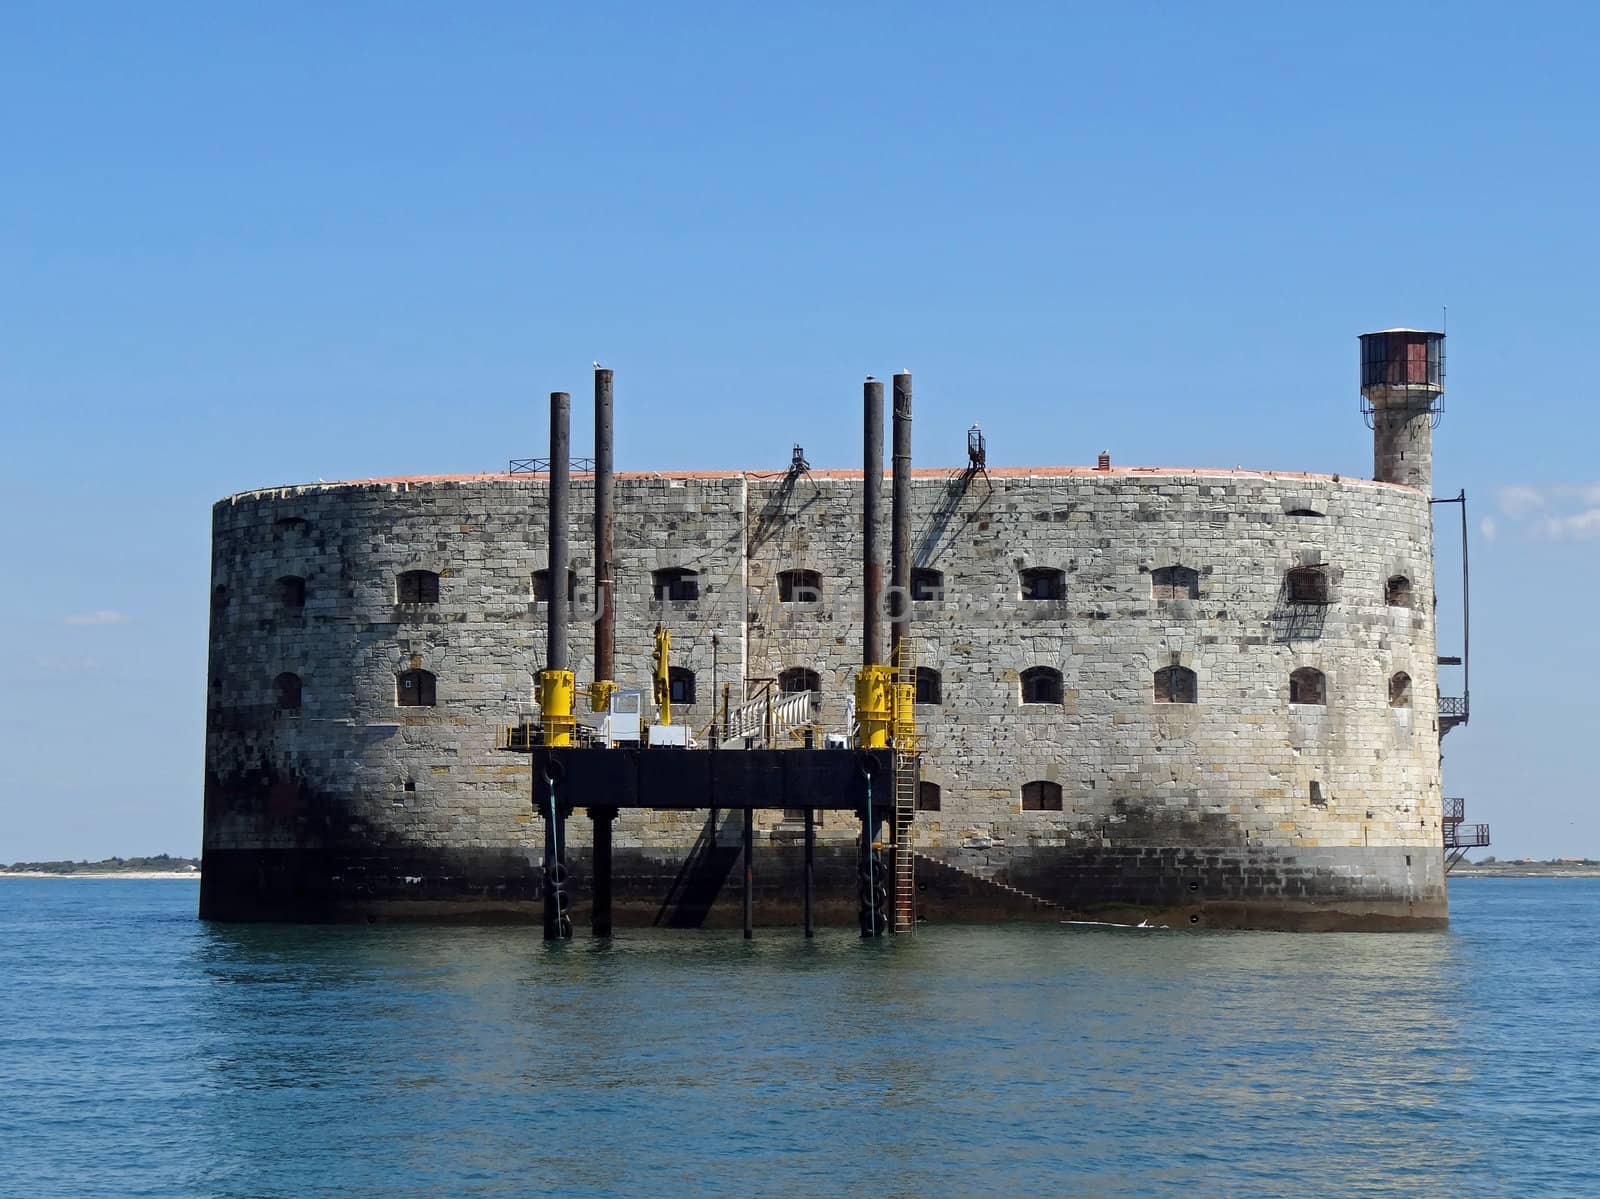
(556, 688)
(875, 703)
(663, 676)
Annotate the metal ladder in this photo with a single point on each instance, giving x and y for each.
(907, 774)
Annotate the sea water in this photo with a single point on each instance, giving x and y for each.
(146, 1053)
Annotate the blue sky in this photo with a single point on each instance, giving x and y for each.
(244, 245)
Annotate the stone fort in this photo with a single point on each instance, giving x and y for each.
(1194, 695)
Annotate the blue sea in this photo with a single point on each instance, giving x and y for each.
(145, 1053)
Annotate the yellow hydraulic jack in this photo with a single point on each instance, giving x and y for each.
(556, 688)
(663, 677)
(875, 706)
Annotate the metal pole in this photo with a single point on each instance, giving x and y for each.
(749, 875)
(900, 516)
(605, 627)
(560, 496)
(1466, 615)
(600, 917)
(809, 889)
(716, 670)
(871, 495)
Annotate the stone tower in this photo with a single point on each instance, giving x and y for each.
(1402, 378)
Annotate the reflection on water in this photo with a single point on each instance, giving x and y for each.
(149, 1054)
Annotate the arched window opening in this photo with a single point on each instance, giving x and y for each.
(1043, 583)
(1307, 512)
(291, 591)
(799, 678)
(1397, 592)
(286, 692)
(415, 689)
(927, 583)
(680, 684)
(1176, 685)
(927, 796)
(1174, 582)
(799, 586)
(1308, 686)
(219, 597)
(930, 686)
(1307, 585)
(541, 586)
(1400, 691)
(1041, 685)
(1041, 795)
(417, 587)
(295, 525)
(675, 583)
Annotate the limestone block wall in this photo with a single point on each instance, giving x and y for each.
(1242, 767)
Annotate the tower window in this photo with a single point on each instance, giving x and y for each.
(1308, 686)
(1400, 690)
(1174, 582)
(927, 583)
(219, 597)
(799, 586)
(797, 679)
(675, 583)
(1041, 685)
(541, 586)
(680, 684)
(1307, 585)
(930, 686)
(291, 591)
(927, 796)
(1043, 583)
(1397, 592)
(417, 587)
(415, 689)
(1176, 685)
(286, 692)
(1041, 796)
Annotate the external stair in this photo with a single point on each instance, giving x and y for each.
(996, 884)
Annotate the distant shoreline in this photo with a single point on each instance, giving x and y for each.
(1526, 872)
(144, 874)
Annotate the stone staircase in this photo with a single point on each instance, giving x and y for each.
(1038, 901)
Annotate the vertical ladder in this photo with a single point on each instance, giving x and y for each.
(907, 773)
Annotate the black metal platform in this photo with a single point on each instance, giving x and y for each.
(689, 779)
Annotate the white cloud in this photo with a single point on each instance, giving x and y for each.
(1555, 512)
(1575, 525)
(1519, 500)
(102, 616)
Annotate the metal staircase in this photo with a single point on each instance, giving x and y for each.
(907, 776)
(749, 721)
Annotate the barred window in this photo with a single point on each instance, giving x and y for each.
(1043, 583)
(798, 678)
(1176, 685)
(927, 583)
(680, 680)
(415, 689)
(1308, 686)
(417, 587)
(1041, 796)
(1174, 582)
(799, 586)
(1307, 585)
(1041, 685)
(541, 586)
(675, 583)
